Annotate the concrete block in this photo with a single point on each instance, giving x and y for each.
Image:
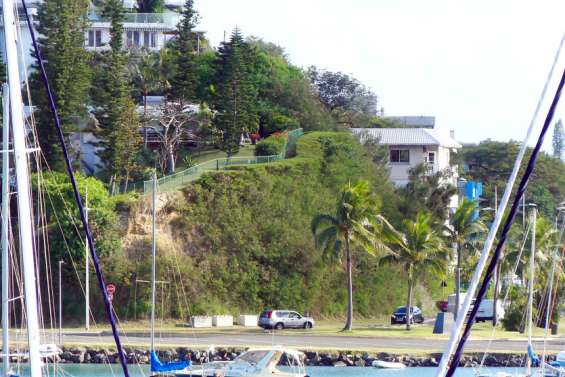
(247, 320)
(201, 321)
(222, 321)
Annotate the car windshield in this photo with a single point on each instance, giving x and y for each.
(402, 310)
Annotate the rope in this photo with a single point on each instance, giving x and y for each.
(95, 260)
(508, 223)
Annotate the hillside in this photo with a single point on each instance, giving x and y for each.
(239, 240)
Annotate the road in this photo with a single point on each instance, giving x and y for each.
(305, 341)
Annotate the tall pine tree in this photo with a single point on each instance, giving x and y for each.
(183, 82)
(62, 24)
(558, 139)
(117, 119)
(236, 93)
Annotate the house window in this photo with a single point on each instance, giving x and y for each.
(129, 38)
(153, 39)
(136, 38)
(400, 155)
(91, 38)
(98, 37)
(146, 37)
(431, 158)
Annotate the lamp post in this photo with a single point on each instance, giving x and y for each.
(86, 269)
(60, 305)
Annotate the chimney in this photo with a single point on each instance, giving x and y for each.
(452, 134)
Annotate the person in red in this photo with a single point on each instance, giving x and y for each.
(255, 137)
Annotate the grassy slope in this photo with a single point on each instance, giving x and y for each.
(238, 241)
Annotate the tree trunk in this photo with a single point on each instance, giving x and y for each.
(409, 299)
(457, 281)
(144, 102)
(126, 181)
(171, 162)
(349, 323)
(112, 185)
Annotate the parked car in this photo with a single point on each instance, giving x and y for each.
(399, 315)
(284, 319)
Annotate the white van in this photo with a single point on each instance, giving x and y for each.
(485, 312)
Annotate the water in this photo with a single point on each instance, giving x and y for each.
(104, 370)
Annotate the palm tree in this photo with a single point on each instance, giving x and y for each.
(416, 249)
(463, 232)
(355, 223)
(146, 71)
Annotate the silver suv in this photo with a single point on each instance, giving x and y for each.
(284, 319)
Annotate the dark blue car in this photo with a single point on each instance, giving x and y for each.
(399, 315)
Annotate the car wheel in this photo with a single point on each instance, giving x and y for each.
(279, 326)
(307, 325)
(421, 320)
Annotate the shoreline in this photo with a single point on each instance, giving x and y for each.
(138, 355)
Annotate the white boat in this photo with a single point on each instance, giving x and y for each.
(257, 362)
(387, 364)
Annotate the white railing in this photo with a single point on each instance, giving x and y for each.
(169, 19)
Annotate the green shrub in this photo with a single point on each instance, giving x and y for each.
(514, 316)
(271, 146)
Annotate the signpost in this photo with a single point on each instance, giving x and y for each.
(110, 290)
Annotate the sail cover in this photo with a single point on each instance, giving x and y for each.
(532, 355)
(158, 366)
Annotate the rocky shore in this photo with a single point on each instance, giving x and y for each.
(78, 355)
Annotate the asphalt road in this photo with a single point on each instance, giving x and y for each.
(305, 341)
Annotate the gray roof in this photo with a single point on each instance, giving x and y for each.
(409, 136)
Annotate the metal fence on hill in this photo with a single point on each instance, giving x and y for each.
(175, 181)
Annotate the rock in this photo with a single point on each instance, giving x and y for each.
(339, 364)
(360, 363)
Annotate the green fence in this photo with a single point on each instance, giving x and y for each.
(180, 179)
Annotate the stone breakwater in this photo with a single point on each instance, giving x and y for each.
(78, 355)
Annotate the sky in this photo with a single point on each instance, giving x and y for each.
(478, 66)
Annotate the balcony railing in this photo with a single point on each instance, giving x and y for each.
(168, 19)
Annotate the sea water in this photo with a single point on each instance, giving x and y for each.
(114, 370)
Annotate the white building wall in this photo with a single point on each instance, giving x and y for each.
(400, 171)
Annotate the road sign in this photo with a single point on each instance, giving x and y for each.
(110, 289)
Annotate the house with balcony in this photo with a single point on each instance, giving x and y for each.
(148, 31)
(409, 147)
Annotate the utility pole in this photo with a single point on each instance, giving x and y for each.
(496, 269)
(60, 305)
(86, 269)
(153, 258)
(531, 286)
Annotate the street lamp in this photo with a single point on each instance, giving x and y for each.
(60, 305)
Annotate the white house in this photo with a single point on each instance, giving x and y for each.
(409, 147)
(149, 31)
(141, 30)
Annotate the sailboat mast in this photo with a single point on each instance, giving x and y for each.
(5, 230)
(153, 260)
(23, 189)
(531, 285)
